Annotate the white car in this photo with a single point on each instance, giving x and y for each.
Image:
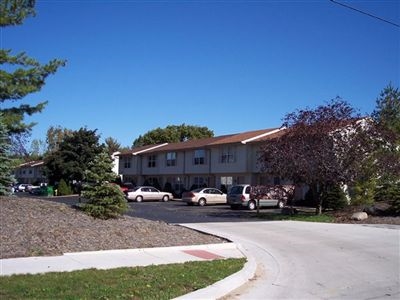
(204, 196)
(143, 193)
(22, 187)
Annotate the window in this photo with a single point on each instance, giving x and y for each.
(171, 159)
(127, 162)
(247, 191)
(277, 181)
(227, 155)
(226, 180)
(199, 157)
(151, 161)
(199, 181)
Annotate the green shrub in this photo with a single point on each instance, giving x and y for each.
(389, 192)
(363, 193)
(334, 198)
(63, 188)
(104, 201)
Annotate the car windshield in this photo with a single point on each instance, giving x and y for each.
(236, 189)
(197, 190)
(136, 188)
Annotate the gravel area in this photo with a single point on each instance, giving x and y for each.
(33, 227)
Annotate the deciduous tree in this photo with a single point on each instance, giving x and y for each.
(321, 147)
(54, 136)
(173, 134)
(72, 159)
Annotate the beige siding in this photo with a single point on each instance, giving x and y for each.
(170, 170)
(192, 168)
(238, 165)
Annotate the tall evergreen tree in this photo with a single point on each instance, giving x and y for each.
(387, 116)
(112, 145)
(5, 160)
(24, 75)
(387, 110)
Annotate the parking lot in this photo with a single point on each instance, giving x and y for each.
(174, 211)
(178, 212)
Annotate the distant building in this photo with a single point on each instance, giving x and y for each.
(220, 162)
(30, 172)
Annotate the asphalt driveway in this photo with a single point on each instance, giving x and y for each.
(301, 260)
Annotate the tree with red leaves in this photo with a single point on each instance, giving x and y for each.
(322, 147)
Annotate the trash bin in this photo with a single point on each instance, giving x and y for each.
(43, 191)
(50, 191)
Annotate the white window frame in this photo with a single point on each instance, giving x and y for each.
(127, 162)
(228, 155)
(170, 159)
(151, 161)
(199, 157)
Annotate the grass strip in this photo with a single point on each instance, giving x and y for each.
(305, 217)
(151, 282)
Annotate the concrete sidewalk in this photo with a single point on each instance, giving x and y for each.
(109, 259)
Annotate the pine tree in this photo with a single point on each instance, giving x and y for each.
(105, 200)
(24, 75)
(6, 179)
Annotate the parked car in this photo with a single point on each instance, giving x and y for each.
(22, 187)
(142, 193)
(30, 187)
(245, 195)
(126, 187)
(204, 196)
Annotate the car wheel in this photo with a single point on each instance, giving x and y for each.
(139, 199)
(280, 204)
(252, 205)
(165, 198)
(202, 202)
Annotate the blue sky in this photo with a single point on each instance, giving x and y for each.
(233, 66)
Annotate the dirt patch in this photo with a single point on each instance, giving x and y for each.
(34, 227)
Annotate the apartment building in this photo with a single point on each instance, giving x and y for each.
(30, 172)
(220, 162)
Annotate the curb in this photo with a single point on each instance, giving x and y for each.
(227, 285)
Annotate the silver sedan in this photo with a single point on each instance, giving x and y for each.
(143, 193)
(204, 196)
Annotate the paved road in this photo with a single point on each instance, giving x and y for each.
(299, 260)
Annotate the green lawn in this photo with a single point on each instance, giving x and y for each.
(301, 216)
(152, 282)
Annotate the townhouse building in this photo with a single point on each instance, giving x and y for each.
(30, 172)
(220, 162)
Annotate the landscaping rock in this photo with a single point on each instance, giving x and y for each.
(359, 216)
